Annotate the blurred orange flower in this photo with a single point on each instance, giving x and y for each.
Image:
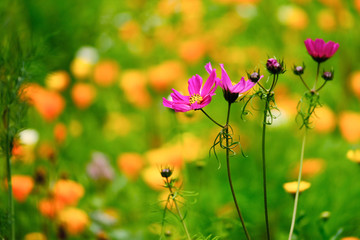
(50, 207)
(46, 151)
(117, 125)
(133, 82)
(60, 133)
(192, 51)
(311, 167)
(83, 95)
(74, 220)
(357, 5)
(291, 187)
(324, 120)
(162, 76)
(165, 156)
(355, 83)
(106, 72)
(350, 238)
(35, 236)
(57, 81)
(22, 186)
(129, 30)
(153, 179)
(68, 191)
(349, 126)
(326, 20)
(130, 164)
(48, 103)
(293, 17)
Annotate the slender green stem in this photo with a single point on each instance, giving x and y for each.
(307, 86)
(11, 216)
(212, 119)
(182, 220)
(229, 173)
(264, 165)
(298, 186)
(317, 76)
(317, 90)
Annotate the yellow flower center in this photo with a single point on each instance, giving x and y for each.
(195, 98)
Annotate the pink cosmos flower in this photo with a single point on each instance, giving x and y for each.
(319, 50)
(231, 92)
(200, 96)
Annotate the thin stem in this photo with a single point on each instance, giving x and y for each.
(317, 76)
(229, 173)
(307, 86)
(317, 90)
(298, 187)
(212, 119)
(262, 86)
(8, 169)
(182, 220)
(264, 166)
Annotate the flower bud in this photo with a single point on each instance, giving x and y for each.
(254, 77)
(274, 67)
(166, 172)
(327, 76)
(299, 70)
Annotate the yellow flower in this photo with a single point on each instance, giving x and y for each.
(35, 236)
(291, 187)
(354, 155)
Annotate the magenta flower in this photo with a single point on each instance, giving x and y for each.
(199, 96)
(231, 92)
(319, 50)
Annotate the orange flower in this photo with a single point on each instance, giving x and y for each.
(21, 186)
(357, 5)
(57, 81)
(311, 167)
(83, 95)
(50, 207)
(74, 220)
(350, 238)
(291, 187)
(49, 104)
(133, 82)
(162, 76)
(129, 31)
(35, 236)
(324, 120)
(192, 51)
(46, 151)
(60, 132)
(153, 179)
(354, 155)
(130, 164)
(349, 126)
(326, 20)
(68, 191)
(293, 17)
(355, 83)
(165, 156)
(106, 72)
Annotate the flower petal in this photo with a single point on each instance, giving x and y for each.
(225, 80)
(167, 103)
(319, 46)
(176, 96)
(208, 68)
(209, 83)
(239, 86)
(309, 44)
(249, 85)
(195, 83)
(181, 107)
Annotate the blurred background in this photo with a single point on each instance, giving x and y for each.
(87, 163)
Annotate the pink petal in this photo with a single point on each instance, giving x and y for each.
(225, 80)
(309, 44)
(328, 49)
(319, 47)
(176, 96)
(181, 107)
(335, 48)
(205, 101)
(208, 68)
(167, 103)
(249, 85)
(239, 86)
(195, 83)
(209, 83)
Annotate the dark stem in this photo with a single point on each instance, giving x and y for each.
(264, 165)
(11, 216)
(261, 86)
(307, 86)
(212, 119)
(229, 173)
(317, 76)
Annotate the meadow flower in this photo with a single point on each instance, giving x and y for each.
(35, 236)
(354, 155)
(231, 91)
(130, 164)
(68, 191)
(22, 186)
(74, 220)
(274, 66)
(319, 50)
(200, 96)
(99, 168)
(291, 187)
